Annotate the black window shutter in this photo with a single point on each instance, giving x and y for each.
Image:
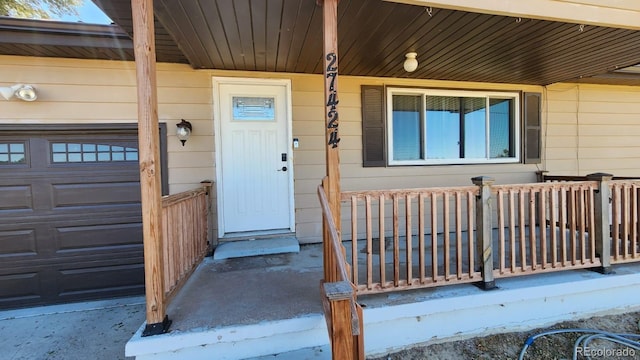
(532, 131)
(374, 152)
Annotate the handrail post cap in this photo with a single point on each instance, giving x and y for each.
(340, 290)
(600, 176)
(483, 180)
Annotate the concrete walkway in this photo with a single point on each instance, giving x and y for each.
(89, 330)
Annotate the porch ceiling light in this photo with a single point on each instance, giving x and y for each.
(410, 63)
(183, 131)
(22, 92)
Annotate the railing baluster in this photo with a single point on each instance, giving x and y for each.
(635, 223)
(572, 224)
(409, 240)
(434, 236)
(512, 228)
(532, 229)
(501, 229)
(563, 225)
(470, 236)
(523, 243)
(592, 225)
(458, 235)
(421, 230)
(367, 200)
(553, 204)
(625, 220)
(396, 242)
(381, 246)
(445, 232)
(583, 240)
(354, 240)
(615, 224)
(542, 220)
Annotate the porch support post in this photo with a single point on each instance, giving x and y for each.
(484, 229)
(338, 296)
(602, 231)
(149, 158)
(332, 139)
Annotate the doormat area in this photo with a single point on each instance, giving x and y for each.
(244, 248)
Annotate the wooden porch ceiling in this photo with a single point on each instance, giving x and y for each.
(374, 35)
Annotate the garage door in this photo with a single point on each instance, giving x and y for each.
(70, 218)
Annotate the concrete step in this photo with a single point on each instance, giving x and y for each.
(256, 247)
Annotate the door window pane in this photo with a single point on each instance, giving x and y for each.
(253, 108)
(406, 127)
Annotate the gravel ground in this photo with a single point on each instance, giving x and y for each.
(509, 345)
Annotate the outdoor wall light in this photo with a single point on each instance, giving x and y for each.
(22, 92)
(183, 131)
(410, 63)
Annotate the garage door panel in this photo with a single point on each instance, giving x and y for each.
(15, 198)
(18, 243)
(109, 237)
(20, 288)
(91, 281)
(94, 194)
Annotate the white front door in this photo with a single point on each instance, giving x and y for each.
(255, 158)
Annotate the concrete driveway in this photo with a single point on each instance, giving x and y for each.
(89, 330)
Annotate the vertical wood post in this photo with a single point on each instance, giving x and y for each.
(149, 158)
(339, 296)
(602, 231)
(332, 139)
(484, 229)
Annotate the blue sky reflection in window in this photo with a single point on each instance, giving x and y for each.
(455, 127)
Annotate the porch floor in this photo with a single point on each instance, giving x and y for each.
(249, 290)
(256, 307)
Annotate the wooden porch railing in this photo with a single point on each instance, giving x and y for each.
(185, 226)
(623, 194)
(415, 238)
(545, 227)
(625, 227)
(412, 238)
(342, 313)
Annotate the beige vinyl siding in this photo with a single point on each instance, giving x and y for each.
(88, 91)
(587, 128)
(593, 128)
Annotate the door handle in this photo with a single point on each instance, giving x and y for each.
(284, 168)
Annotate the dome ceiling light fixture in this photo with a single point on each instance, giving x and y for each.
(410, 63)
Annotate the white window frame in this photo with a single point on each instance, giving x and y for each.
(456, 93)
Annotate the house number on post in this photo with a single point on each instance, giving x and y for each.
(332, 100)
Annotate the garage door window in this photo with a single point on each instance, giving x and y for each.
(12, 154)
(81, 153)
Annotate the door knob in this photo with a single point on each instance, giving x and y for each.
(284, 168)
